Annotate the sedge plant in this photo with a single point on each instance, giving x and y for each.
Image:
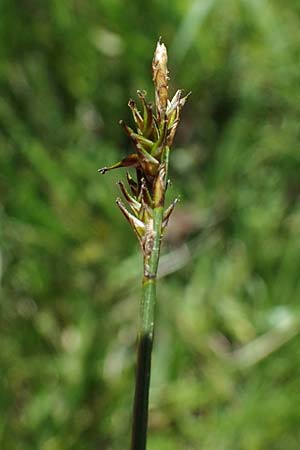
(155, 128)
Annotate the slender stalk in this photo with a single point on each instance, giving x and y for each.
(145, 340)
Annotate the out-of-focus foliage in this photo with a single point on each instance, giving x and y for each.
(226, 357)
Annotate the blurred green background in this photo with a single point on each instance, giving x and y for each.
(226, 357)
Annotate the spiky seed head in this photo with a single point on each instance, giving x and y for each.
(153, 136)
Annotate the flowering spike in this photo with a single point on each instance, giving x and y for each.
(152, 138)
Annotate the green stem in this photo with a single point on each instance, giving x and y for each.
(145, 338)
